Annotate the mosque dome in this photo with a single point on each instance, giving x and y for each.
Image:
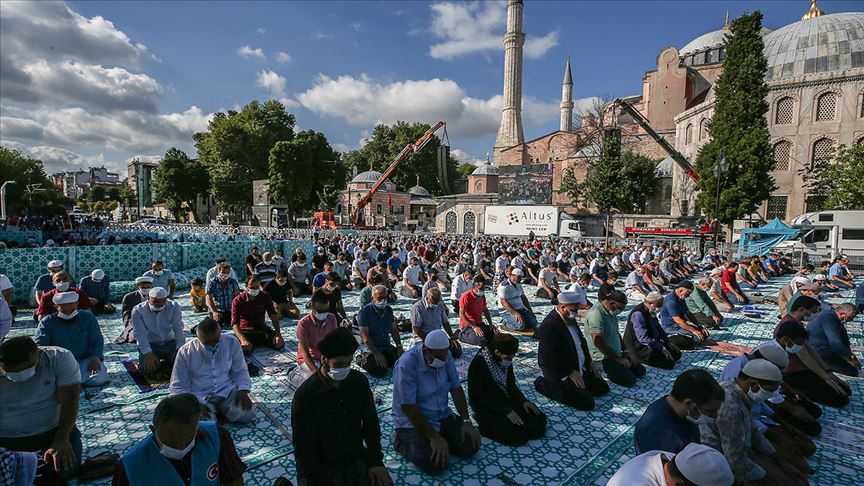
(710, 40)
(819, 44)
(418, 190)
(485, 169)
(368, 177)
(665, 167)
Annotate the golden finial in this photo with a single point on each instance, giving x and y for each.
(813, 12)
(726, 25)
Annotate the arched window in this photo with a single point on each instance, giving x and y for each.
(478, 186)
(469, 223)
(783, 111)
(823, 150)
(450, 223)
(688, 134)
(703, 129)
(782, 149)
(826, 107)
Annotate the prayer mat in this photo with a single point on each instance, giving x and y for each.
(147, 382)
(841, 436)
(729, 349)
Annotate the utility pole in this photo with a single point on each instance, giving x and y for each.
(719, 169)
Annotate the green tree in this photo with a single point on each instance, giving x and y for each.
(387, 141)
(739, 128)
(291, 170)
(616, 180)
(838, 180)
(465, 170)
(113, 194)
(128, 197)
(24, 171)
(235, 149)
(571, 187)
(96, 194)
(178, 180)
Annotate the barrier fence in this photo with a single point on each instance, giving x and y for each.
(23, 266)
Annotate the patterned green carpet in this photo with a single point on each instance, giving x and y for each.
(579, 448)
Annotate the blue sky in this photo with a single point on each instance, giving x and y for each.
(100, 82)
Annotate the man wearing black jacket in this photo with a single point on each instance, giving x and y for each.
(569, 375)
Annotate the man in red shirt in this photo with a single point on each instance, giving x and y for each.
(248, 311)
(472, 308)
(729, 284)
(62, 283)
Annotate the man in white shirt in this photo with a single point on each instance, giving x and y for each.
(360, 270)
(411, 285)
(461, 284)
(211, 274)
(158, 328)
(696, 464)
(516, 314)
(213, 369)
(548, 282)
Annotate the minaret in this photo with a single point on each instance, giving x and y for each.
(510, 131)
(567, 101)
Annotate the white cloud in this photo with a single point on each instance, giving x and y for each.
(358, 27)
(284, 57)
(465, 158)
(56, 159)
(468, 28)
(341, 147)
(318, 36)
(262, 30)
(272, 82)
(144, 158)
(252, 52)
(364, 102)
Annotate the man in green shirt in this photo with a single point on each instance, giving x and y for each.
(605, 343)
(702, 306)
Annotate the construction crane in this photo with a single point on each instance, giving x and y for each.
(404, 154)
(676, 155)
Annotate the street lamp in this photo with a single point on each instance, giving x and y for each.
(719, 169)
(3, 198)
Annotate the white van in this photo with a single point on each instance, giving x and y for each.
(829, 234)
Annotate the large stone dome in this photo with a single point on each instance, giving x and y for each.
(418, 190)
(368, 177)
(709, 40)
(826, 43)
(486, 169)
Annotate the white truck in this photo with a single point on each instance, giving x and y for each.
(827, 234)
(522, 220)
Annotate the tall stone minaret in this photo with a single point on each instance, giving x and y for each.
(567, 101)
(510, 131)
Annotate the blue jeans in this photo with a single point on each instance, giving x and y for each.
(528, 320)
(842, 285)
(746, 285)
(733, 299)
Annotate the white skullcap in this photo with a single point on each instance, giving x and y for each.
(772, 351)
(568, 297)
(55, 264)
(704, 466)
(144, 279)
(716, 271)
(653, 296)
(65, 297)
(158, 293)
(516, 272)
(801, 280)
(820, 276)
(762, 369)
(97, 274)
(437, 339)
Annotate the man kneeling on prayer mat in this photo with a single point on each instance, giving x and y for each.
(158, 328)
(751, 455)
(212, 368)
(181, 449)
(697, 465)
(77, 331)
(427, 431)
(334, 421)
(792, 445)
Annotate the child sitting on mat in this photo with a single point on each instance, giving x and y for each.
(197, 295)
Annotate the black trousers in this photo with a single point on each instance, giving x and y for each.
(42, 442)
(622, 375)
(816, 389)
(500, 429)
(683, 342)
(659, 360)
(564, 391)
(417, 449)
(263, 337)
(368, 363)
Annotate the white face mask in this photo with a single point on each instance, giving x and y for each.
(321, 316)
(254, 292)
(794, 349)
(21, 376)
(380, 304)
(339, 374)
(158, 272)
(506, 363)
(68, 316)
(222, 276)
(144, 292)
(156, 308)
(62, 286)
(172, 453)
(759, 396)
(701, 420)
(479, 293)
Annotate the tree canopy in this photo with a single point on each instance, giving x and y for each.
(24, 171)
(178, 180)
(387, 141)
(739, 128)
(839, 181)
(623, 181)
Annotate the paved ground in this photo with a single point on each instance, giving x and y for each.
(579, 448)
